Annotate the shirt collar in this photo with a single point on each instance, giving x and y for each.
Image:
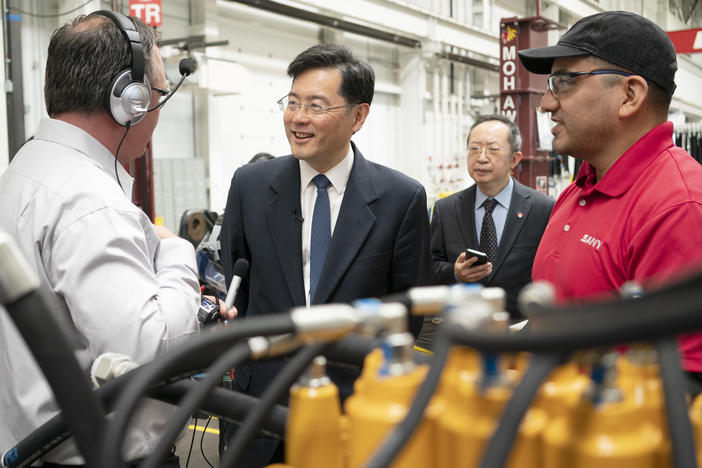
(630, 165)
(503, 197)
(76, 138)
(337, 175)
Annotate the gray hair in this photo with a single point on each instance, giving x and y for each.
(514, 136)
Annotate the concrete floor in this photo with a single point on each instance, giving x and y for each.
(206, 441)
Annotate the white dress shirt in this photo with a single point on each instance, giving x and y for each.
(338, 176)
(120, 288)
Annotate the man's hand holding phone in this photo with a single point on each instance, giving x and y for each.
(471, 266)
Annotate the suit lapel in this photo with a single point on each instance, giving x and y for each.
(465, 215)
(286, 232)
(352, 227)
(517, 215)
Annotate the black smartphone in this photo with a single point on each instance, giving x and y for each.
(482, 256)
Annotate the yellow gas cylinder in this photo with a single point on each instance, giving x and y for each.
(313, 433)
(604, 430)
(462, 368)
(516, 364)
(562, 390)
(371, 366)
(381, 401)
(462, 363)
(640, 380)
(471, 417)
(696, 419)
(603, 436)
(345, 442)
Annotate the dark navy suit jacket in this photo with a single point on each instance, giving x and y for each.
(381, 244)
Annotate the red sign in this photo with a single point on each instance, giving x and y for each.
(508, 68)
(149, 11)
(687, 41)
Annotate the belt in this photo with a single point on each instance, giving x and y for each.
(170, 462)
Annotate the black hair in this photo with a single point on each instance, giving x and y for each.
(357, 77)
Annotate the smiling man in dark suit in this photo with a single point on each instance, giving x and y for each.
(324, 224)
(496, 215)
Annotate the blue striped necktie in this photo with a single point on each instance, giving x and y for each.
(321, 232)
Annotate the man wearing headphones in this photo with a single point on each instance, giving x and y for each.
(120, 283)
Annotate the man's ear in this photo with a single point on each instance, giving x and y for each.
(516, 157)
(359, 115)
(635, 95)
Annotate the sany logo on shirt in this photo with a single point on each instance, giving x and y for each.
(591, 241)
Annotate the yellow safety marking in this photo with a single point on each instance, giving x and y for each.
(209, 430)
(423, 350)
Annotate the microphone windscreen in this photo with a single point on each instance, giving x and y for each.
(185, 67)
(241, 267)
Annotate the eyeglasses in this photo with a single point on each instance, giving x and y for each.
(288, 104)
(562, 81)
(492, 150)
(162, 92)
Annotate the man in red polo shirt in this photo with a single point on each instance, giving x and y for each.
(635, 209)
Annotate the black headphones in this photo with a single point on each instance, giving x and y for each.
(129, 93)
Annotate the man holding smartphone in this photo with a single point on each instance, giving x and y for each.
(489, 232)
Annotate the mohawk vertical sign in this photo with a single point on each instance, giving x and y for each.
(687, 41)
(508, 69)
(149, 11)
(521, 91)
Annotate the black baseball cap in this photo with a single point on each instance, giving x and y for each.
(620, 37)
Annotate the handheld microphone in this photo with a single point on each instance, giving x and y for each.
(241, 267)
(185, 67)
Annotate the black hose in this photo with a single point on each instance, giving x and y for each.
(225, 404)
(38, 443)
(597, 324)
(54, 355)
(396, 440)
(54, 431)
(273, 393)
(229, 405)
(500, 445)
(679, 427)
(350, 350)
(240, 353)
(592, 325)
(173, 364)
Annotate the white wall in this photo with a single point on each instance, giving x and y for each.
(4, 150)
(174, 136)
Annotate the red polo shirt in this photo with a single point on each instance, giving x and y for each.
(642, 221)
